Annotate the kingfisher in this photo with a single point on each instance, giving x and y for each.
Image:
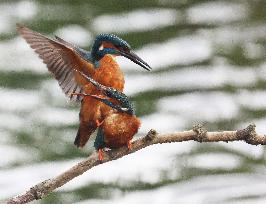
(65, 61)
(119, 123)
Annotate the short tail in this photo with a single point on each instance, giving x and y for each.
(83, 134)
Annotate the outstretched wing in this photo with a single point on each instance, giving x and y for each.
(62, 59)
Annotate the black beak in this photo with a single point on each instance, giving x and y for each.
(136, 59)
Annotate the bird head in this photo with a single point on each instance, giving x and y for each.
(111, 44)
(123, 104)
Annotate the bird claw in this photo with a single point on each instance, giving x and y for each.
(99, 96)
(99, 123)
(100, 154)
(129, 145)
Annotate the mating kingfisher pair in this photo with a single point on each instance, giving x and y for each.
(94, 79)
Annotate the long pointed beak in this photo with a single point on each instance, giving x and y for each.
(136, 59)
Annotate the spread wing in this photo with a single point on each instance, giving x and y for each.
(62, 59)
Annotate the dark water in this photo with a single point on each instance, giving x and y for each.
(209, 66)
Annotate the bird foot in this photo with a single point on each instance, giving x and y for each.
(129, 145)
(99, 96)
(98, 123)
(100, 154)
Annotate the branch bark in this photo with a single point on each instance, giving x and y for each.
(198, 133)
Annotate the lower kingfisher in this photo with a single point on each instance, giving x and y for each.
(119, 123)
(63, 58)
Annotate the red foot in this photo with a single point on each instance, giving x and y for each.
(99, 123)
(100, 154)
(99, 96)
(129, 145)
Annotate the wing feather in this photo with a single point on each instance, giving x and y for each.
(61, 59)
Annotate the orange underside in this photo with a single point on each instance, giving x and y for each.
(119, 129)
(108, 74)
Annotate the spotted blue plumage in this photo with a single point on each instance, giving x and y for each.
(111, 38)
(95, 55)
(125, 104)
(115, 40)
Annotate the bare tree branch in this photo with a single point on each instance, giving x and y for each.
(198, 133)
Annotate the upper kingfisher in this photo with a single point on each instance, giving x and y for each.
(65, 61)
(119, 123)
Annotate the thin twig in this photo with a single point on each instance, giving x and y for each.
(198, 133)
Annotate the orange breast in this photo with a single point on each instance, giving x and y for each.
(119, 128)
(109, 73)
(87, 68)
(90, 109)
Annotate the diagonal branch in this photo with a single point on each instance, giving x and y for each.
(198, 133)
